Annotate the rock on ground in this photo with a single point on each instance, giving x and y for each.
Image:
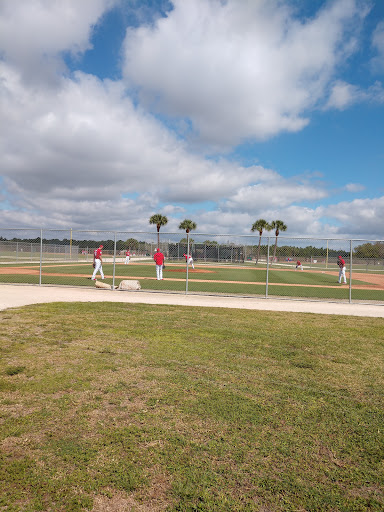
(129, 284)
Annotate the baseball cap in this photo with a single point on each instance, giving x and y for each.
(101, 246)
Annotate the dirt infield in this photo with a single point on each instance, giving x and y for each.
(377, 280)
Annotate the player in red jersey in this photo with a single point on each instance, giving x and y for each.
(159, 260)
(299, 265)
(97, 263)
(341, 264)
(189, 260)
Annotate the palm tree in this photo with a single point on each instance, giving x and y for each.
(277, 225)
(259, 226)
(188, 225)
(159, 220)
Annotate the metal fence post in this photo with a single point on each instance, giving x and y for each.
(266, 282)
(114, 263)
(186, 260)
(41, 254)
(350, 271)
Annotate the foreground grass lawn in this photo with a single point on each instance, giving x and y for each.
(135, 407)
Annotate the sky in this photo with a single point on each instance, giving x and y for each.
(219, 111)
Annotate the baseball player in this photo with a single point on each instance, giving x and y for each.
(299, 265)
(159, 260)
(127, 256)
(189, 260)
(341, 264)
(97, 261)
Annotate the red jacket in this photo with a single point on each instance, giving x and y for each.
(159, 258)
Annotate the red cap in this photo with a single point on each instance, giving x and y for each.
(101, 246)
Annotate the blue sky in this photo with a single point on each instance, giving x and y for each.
(219, 111)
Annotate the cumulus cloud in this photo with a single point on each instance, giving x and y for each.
(85, 156)
(240, 70)
(302, 221)
(360, 216)
(34, 34)
(279, 193)
(85, 148)
(347, 219)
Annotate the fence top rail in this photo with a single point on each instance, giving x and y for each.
(195, 233)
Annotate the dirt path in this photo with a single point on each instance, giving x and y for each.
(18, 295)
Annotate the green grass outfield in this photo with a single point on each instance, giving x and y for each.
(246, 281)
(165, 408)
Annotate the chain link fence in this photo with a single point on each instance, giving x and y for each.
(239, 265)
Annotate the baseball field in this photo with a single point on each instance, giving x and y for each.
(111, 407)
(247, 280)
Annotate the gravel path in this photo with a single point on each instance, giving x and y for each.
(12, 296)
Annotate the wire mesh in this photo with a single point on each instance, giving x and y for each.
(251, 265)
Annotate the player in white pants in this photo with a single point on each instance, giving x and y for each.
(97, 262)
(189, 260)
(127, 256)
(159, 260)
(159, 272)
(341, 264)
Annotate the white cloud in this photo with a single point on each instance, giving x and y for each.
(33, 33)
(240, 69)
(301, 222)
(354, 187)
(78, 150)
(84, 156)
(355, 219)
(343, 95)
(224, 222)
(360, 217)
(279, 193)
